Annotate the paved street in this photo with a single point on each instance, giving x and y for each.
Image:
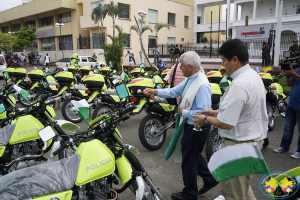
(167, 175)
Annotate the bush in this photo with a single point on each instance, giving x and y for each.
(204, 40)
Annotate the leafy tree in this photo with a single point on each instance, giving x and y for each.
(139, 29)
(6, 42)
(158, 26)
(98, 15)
(113, 11)
(24, 37)
(114, 52)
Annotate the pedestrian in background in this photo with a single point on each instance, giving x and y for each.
(23, 61)
(265, 55)
(156, 54)
(94, 56)
(181, 49)
(294, 49)
(38, 59)
(176, 53)
(171, 52)
(47, 60)
(242, 115)
(131, 56)
(292, 113)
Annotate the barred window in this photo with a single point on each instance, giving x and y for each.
(126, 40)
(64, 17)
(15, 27)
(97, 41)
(125, 12)
(48, 44)
(46, 21)
(66, 42)
(5, 29)
(171, 19)
(29, 24)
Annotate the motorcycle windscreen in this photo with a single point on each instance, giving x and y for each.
(96, 161)
(26, 129)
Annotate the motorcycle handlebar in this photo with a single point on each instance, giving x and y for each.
(62, 147)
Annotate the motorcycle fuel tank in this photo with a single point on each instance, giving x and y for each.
(96, 161)
(26, 129)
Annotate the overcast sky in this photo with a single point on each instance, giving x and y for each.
(7, 4)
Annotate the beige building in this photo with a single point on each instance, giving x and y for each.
(80, 34)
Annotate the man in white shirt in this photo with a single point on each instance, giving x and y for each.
(242, 115)
(131, 56)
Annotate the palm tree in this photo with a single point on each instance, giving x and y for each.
(113, 10)
(139, 29)
(158, 26)
(98, 15)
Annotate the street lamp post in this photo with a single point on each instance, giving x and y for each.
(142, 14)
(60, 25)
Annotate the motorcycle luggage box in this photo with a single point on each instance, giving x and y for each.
(266, 78)
(139, 84)
(215, 99)
(64, 77)
(20, 73)
(94, 81)
(84, 70)
(71, 69)
(9, 71)
(214, 76)
(36, 74)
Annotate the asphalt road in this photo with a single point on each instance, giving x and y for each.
(167, 175)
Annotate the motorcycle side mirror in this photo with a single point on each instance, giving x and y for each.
(122, 91)
(46, 133)
(2, 108)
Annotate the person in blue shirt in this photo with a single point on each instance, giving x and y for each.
(160, 65)
(192, 141)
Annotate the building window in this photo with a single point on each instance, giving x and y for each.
(124, 14)
(5, 29)
(198, 39)
(298, 9)
(198, 20)
(46, 21)
(151, 41)
(15, 27)
(126, 40)
(66, 42)
(95, 4)
(33, 47)
(152, 16)
(29, 24)
(186, 21)
(171, 19)
(64, 17)
(171, 40)
(96, 40)
(48, 44)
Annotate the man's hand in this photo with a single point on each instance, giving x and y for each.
(180, 108)
(211, 113)
(149, 91)
(199, 120)
(289, 72)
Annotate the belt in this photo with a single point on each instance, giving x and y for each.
(239, 141)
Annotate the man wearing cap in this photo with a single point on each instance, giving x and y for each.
(265, 55)
(294, 49)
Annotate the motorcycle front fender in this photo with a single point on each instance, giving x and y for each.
(66, 125)
(140, 106)
(62, 90)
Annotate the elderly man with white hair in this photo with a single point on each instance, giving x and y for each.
(187, 142)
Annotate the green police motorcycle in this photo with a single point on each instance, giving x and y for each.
(101, 161)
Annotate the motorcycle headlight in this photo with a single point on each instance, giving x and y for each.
(274, 90)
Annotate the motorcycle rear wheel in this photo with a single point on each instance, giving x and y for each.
(270, 112)
(68, 111)
(148, 126)
(23, 102)
(213, 143)
(102, 109)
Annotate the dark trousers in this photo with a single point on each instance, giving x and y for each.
(292, 116)
(265, 61)
(132, 58)
(193, 163)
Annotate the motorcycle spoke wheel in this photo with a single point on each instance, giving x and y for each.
(213, 143)
(102, 109)
(270, 112)
(148, 135)
(69, 112)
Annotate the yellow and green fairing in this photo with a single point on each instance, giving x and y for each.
(215, 88)
(145, 82)
(106, 68)
(137, 70)
(213, 74)
(65, 195)
(94, 77)
(36, 72)
(157, 79)
(64, 75)
(26, 129)
(96, 161)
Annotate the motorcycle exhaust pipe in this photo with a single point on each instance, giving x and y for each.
(26, 157)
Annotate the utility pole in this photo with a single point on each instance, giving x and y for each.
(210, 52)
(219, 32)
(246, 24)
(278, 34)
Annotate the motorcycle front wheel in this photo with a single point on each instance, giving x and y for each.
(69, 112)
(213, 143)
(102, 109)
(148, 134)
(270, 112)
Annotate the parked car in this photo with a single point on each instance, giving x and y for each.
(3, 65)
(83, 61)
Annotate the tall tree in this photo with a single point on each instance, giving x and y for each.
(98, 15)
(113, 11)
(6, 42)
(158, 26)
(139, 28)
(25, 36)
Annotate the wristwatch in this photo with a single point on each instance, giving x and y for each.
(205, 120)
(288, 76)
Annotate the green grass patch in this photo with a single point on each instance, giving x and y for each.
(282, 82)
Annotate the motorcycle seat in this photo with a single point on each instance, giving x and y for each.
(5, 134)
(40, 180)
